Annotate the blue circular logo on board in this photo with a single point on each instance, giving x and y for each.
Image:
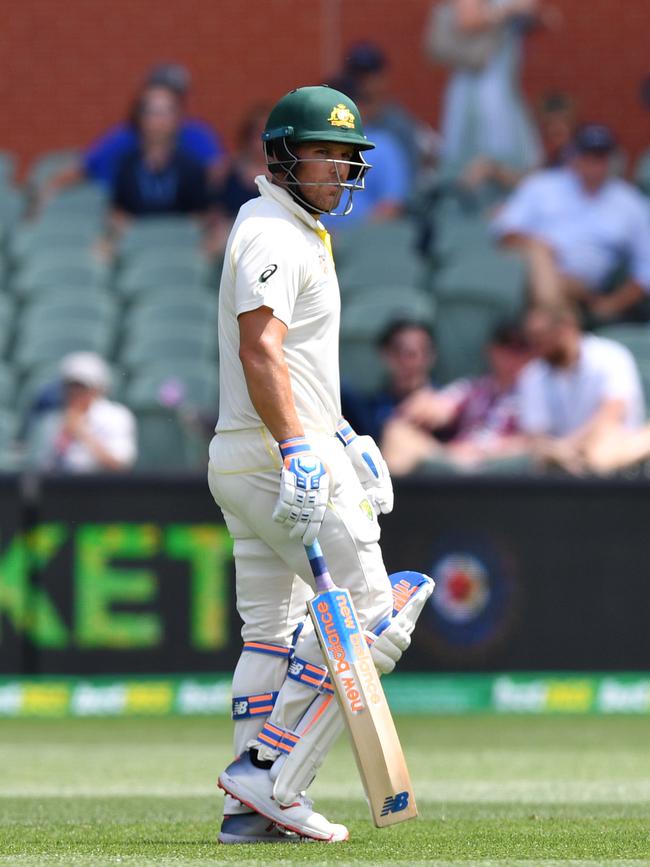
(471, 609)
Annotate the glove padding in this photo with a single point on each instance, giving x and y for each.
(369, 466)
(392, 637)
(304, 491)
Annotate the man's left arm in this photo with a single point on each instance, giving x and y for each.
(637, 287)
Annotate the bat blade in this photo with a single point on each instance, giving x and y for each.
(375, 742)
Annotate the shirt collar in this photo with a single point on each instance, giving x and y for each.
(282, 197)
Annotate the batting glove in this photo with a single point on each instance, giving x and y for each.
(369, 466)
(304, 490)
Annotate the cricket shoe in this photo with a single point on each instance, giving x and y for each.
(253, 828)
(253, 787)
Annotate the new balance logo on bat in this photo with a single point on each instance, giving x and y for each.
(395, 803)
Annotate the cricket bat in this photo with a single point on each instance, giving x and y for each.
(361, 698)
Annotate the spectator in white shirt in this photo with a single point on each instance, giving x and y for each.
(581, 401)
(577, 226)
(90, 433)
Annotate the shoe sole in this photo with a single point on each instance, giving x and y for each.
(223, 784)
(233, 838)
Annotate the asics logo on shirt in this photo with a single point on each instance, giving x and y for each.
(269, 271)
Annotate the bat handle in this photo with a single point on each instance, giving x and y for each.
(319, 567)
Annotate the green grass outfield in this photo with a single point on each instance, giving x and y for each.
(491, 790)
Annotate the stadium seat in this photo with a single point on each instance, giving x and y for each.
(166, 270)
(87, 199)
(165, 444)
(57, 304)
(154, 386)
(181, 343)
(49, 164)
(184, 307)
(366, 314)
(7, 168)
(160, 232)
(378, 254)
(7, 385)
(12, 206)
(34, 348)
(48, 270)
(47, 236)
(474, 293)
(361, 366)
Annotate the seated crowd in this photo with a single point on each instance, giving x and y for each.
(552, 394)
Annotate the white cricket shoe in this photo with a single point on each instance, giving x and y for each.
(254, 788)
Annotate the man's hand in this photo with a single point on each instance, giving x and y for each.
(369, 466)
(304, 490)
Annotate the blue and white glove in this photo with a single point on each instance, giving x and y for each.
(369, 466)
(304, 490)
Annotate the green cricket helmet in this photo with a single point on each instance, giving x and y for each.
(312, 114)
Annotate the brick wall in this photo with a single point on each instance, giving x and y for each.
(68, 68)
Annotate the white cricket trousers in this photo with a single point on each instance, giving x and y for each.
(273, 577)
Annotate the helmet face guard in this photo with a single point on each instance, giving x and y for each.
(281, 160)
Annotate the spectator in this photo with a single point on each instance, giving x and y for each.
(467, 422)
(387, 184)
(367, 68)
(100, 161)
(558, 127)
(582, 405)
(236, 182)
(89, 433)
(157, 177)
(408, 352)
(484, 113)
(577, 226)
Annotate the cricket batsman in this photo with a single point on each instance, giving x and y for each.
(285, 469)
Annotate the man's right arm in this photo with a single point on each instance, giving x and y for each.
(261, 336)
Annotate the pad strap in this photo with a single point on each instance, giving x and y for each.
(263, 647)
(314, 676)
(273, 736)
(345, 432)
(245, 706)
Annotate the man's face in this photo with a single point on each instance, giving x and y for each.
(592, 168)
(159, 114)
(507, 361)
(410, 354)
(548, 339)
(319, 167)
(79, 396)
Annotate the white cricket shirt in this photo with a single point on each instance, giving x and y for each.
(276, 258)
(557, 401)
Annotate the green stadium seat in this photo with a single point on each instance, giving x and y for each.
(186, 307)
(378, 254)
(47, 236)
(188, 342)
(146, 276)
(474, 295)
(87, 199)
(56, 305)
(366, 314)
(51, 269)
(49, 164)
(160, 232)
(166, 445)
(361, 365)
(7, 168)
(453, 239)
(7, 385)
(35, 348)
(155, 386)
(12, 206)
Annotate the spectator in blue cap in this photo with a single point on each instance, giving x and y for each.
(579, 229)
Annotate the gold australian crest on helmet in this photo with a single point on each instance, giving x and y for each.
(341, 116)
